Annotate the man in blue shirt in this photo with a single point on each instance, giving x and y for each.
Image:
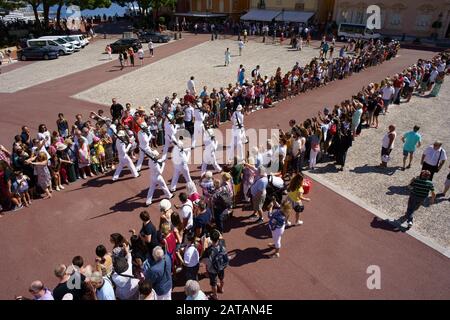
(411, 140)
(159, 273)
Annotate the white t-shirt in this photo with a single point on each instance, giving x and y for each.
(386, 140)
(188, 114)
(387, 92)
(150, 45)
(433, 75)
(432, 156)
(46, 137)
(187, 213)
(191, 257)
(191, 86)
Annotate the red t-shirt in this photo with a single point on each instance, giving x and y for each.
(128, 121)
(189, 98)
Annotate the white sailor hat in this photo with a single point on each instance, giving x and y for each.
(121, 133)
(239, 108)
(211, 132)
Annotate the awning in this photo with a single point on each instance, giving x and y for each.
(286, 16)
(260, 15)
(295, 16)
(200, 14)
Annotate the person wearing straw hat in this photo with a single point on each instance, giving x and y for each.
(144, 137)
(237, 134)
(156, 179)
(180, 159)
(209, 154)
(124, 159)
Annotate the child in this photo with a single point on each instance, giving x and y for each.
(207, 185)
(100, 153)
(55, 166)
(22, 181)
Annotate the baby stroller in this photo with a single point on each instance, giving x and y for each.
(275, 190)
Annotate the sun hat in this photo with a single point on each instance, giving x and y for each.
(61, 146)
(96, 139)
(165, 205)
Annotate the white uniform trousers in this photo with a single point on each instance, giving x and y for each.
(126, 161)
(155, 182)
(180, 170)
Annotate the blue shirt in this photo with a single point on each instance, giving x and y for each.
(106, 292)
(411, 140)
(159, 274)
(259, 186)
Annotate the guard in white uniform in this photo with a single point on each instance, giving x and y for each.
(144, 137)
(209, 153)
(170, 130)
(200, 117)
(180, 159)
(237, 134)
(124, 158)
(156, 178)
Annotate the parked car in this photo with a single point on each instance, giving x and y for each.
(122, 44)
(44, 53)
(82, 38)
(76, 46)
(153, 36)
(62, 46)
(356, 31)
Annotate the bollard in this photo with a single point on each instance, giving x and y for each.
(179, 36)
(175, 36)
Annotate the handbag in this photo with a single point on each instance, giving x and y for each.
(299, 208)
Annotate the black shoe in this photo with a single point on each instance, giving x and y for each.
(260, 220)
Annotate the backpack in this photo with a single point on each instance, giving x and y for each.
(219, 258)
(254, 73)
(223, 199)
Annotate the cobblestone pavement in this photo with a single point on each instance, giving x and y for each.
(160, 79)
(44, 71)
(385, 189)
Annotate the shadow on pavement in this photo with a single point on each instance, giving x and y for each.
(249, 255)
(389, 171)
(259, 231)
(400, 190)
(388, 225)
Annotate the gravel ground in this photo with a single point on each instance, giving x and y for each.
(43, 71)
(169, 75)
(385, 189)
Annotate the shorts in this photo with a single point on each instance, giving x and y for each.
(213, 277)
(405, 152)
(385, 151)
(258, 201)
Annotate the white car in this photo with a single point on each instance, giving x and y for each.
(83, 40)
(356, 31)
(75, 44)
(62, 46)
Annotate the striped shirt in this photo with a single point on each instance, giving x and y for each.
(421, 188)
